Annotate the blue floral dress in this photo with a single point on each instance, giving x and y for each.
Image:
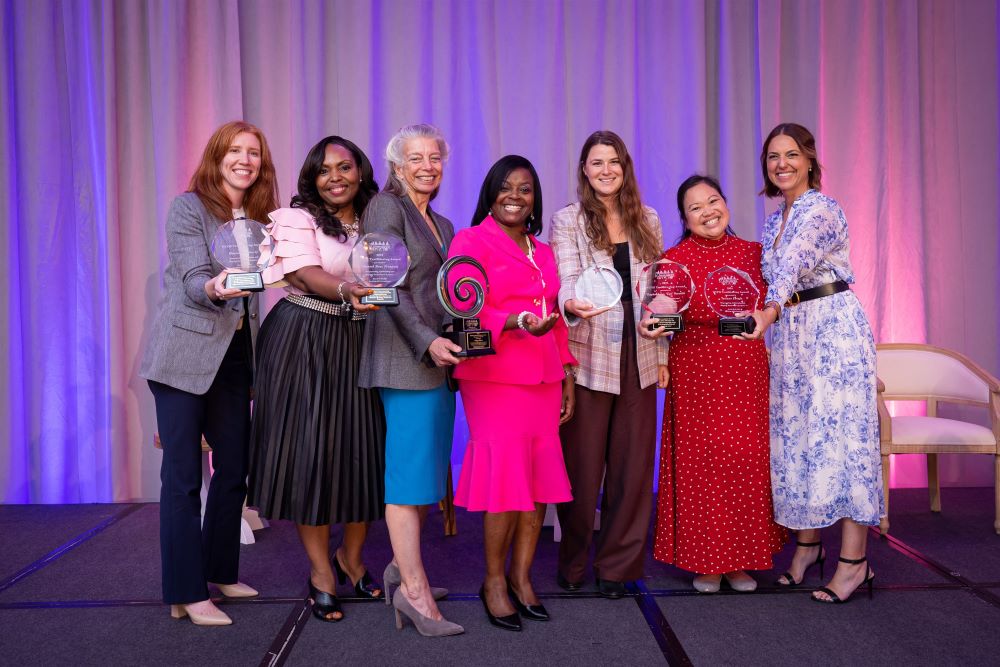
(825, 461)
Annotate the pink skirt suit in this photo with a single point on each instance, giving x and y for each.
(512, 399)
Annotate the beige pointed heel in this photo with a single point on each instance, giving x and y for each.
(200, 618)
(237, 590)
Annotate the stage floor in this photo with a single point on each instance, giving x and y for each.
(80, 584)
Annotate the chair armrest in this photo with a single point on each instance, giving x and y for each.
(884, 420)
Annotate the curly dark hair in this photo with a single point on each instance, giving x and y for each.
(308, 196)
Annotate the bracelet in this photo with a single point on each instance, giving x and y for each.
(570, 371)
(520, 320)
(340, 290)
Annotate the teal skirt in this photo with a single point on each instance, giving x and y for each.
(419, 428)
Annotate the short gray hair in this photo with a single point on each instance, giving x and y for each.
(394, 152)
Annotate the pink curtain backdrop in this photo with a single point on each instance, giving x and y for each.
(107, 106)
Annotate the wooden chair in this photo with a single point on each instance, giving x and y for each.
(447, 505)
(916, 372)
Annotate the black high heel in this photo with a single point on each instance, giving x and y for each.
(533, 612)
(508, 622)
(869, 578)
(324, 604)
(820, 559)
(365, 587)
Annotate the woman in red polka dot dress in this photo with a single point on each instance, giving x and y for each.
(714, 515)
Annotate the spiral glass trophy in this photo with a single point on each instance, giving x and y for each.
(380, 262)
(236, 247)
(599, 286)
(462, 288)
(666, 288)
(730, 291)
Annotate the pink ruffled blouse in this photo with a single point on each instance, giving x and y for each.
(294, 241)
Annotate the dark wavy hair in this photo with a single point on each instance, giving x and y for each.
(806, 143)
(629, 202)
(308, 196)
(495, 178)
(690, 182)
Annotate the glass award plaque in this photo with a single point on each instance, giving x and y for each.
(599, 286)
(462, 289)
(730, 291)
(236, 247)
(668, 291)
(380, 262)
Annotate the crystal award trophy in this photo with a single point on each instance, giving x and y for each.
(668, 291)
(236, 247)
(462, 289)
(380, 262)
(730, 291)
(599, 286)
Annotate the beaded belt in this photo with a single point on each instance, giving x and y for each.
(312, 303)
(817, 292)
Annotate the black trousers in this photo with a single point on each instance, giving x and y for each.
(192, 552)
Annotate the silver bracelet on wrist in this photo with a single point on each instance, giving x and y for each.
(520, 320)
(340, 290)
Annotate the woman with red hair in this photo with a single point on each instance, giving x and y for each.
(198, 364)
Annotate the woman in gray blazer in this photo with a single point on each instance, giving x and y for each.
(199, 365)
(405, 356)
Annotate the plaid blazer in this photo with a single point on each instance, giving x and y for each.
(597, 342)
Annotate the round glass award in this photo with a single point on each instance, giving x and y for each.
(462, 288)
(237, 247)
(666, 288)
(729, 291)
(380, 262)
(600, 286)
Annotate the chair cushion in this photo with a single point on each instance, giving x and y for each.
(939, 431)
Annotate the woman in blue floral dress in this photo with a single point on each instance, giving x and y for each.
(824, 423)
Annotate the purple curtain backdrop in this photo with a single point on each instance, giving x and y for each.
(107, 106)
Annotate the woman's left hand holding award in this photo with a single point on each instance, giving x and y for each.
(236, 247)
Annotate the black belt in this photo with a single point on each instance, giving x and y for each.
(817, 292)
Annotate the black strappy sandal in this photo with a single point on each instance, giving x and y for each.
(820, 558)
(324, 604)
(869, 578)
(365, 586)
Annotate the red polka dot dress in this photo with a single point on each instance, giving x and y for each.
(714, 511)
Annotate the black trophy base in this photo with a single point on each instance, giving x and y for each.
(381, 296)
(248, 282)
(734, 326)
(475, 342)
(673, 322)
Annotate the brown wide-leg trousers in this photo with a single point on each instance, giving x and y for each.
(611, 437)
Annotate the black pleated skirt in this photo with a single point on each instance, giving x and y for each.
(317, 444)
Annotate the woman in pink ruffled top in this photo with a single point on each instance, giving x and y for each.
(516, 399)
(318, 441)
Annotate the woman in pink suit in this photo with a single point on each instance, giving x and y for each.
(516, 399)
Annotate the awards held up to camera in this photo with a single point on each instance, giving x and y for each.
(462, 288)
(730, 291)
(236, 247)
(599, 286)
(380, 262)
(668, 291)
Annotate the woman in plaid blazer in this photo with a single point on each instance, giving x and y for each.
(613, 435)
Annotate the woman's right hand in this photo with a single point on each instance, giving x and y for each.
(584, 309)
(443, 351)
(216, 288)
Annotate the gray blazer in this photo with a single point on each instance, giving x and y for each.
(191, 333)
(394, 354)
